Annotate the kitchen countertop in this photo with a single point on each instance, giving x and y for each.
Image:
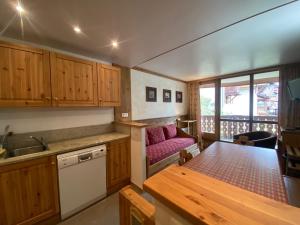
(67, 146)
(133, 124)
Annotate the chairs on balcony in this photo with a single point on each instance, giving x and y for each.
(257, 138)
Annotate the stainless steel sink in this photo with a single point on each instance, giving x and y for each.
(24, 151)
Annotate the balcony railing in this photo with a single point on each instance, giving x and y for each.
(229, 128)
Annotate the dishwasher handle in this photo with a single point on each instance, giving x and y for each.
(85, 157)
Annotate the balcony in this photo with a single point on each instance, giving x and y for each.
(229, 128)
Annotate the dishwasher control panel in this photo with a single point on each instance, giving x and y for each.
(99, 152)
(67, 161)
(80, 156)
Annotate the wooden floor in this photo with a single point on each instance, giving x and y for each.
(292, 185)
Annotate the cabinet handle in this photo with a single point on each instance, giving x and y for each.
(56, 98)
(5, 68)
(53, 163)
(47, 98)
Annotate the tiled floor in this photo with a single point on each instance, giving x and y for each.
(105, 212)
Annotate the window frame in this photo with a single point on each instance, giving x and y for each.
(251, 120)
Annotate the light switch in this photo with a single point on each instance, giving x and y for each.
(124, 115)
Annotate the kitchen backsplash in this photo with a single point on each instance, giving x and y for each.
(24, 140)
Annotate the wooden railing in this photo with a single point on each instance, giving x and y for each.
(228, 127)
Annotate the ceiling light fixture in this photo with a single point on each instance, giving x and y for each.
(19, 8)
(115, 44)
(77, 29)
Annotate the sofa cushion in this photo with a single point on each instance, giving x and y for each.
(170, 131)
(167, 148)
(146, 139)
(155, 135)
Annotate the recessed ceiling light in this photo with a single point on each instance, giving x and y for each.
(19, 8)
(77, 29)
(115, 44)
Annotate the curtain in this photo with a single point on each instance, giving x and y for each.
(194, 106)
(289, 110)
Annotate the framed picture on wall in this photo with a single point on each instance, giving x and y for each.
(151, 94)
(167, 95)
(178, 96)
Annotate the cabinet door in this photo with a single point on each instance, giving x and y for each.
(28, 191)
(24, 76)
(118, 164)
(109, 85)
(74, 81)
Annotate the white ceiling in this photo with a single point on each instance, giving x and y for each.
(266, 40)
(146, 29)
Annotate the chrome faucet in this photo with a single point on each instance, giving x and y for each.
(40, 141)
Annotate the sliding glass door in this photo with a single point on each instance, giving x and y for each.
(265, 102)
(235, 107)
(240, 104)
(207, 107)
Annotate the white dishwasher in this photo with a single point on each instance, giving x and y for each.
(82, 179)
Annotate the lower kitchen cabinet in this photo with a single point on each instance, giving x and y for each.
(29, 191)
(118, 164)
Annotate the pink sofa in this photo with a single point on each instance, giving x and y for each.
(163, 142)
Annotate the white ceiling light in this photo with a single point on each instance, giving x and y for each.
(19, 8)
(77, 29)
(114, 44)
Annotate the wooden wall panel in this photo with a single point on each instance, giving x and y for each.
(162, 121)
(125, 106)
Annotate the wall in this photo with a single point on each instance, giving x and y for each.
(147, 110)
(22, 120)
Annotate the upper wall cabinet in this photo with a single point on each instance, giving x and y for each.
(24, 76)
(109, 85)
(74, 81)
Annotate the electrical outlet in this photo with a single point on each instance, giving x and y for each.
(124, 115)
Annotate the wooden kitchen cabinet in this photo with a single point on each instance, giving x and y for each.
(36, 77)
(118, 164)
(74, 81)
(109, 85)
(28, 191)
(24, 76)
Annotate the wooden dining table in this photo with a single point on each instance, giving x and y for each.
(224, 184)
(251, 168)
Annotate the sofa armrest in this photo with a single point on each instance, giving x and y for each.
(181, 133)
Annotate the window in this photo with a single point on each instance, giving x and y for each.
(265, 102)
(235, 107)
(207, 106)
